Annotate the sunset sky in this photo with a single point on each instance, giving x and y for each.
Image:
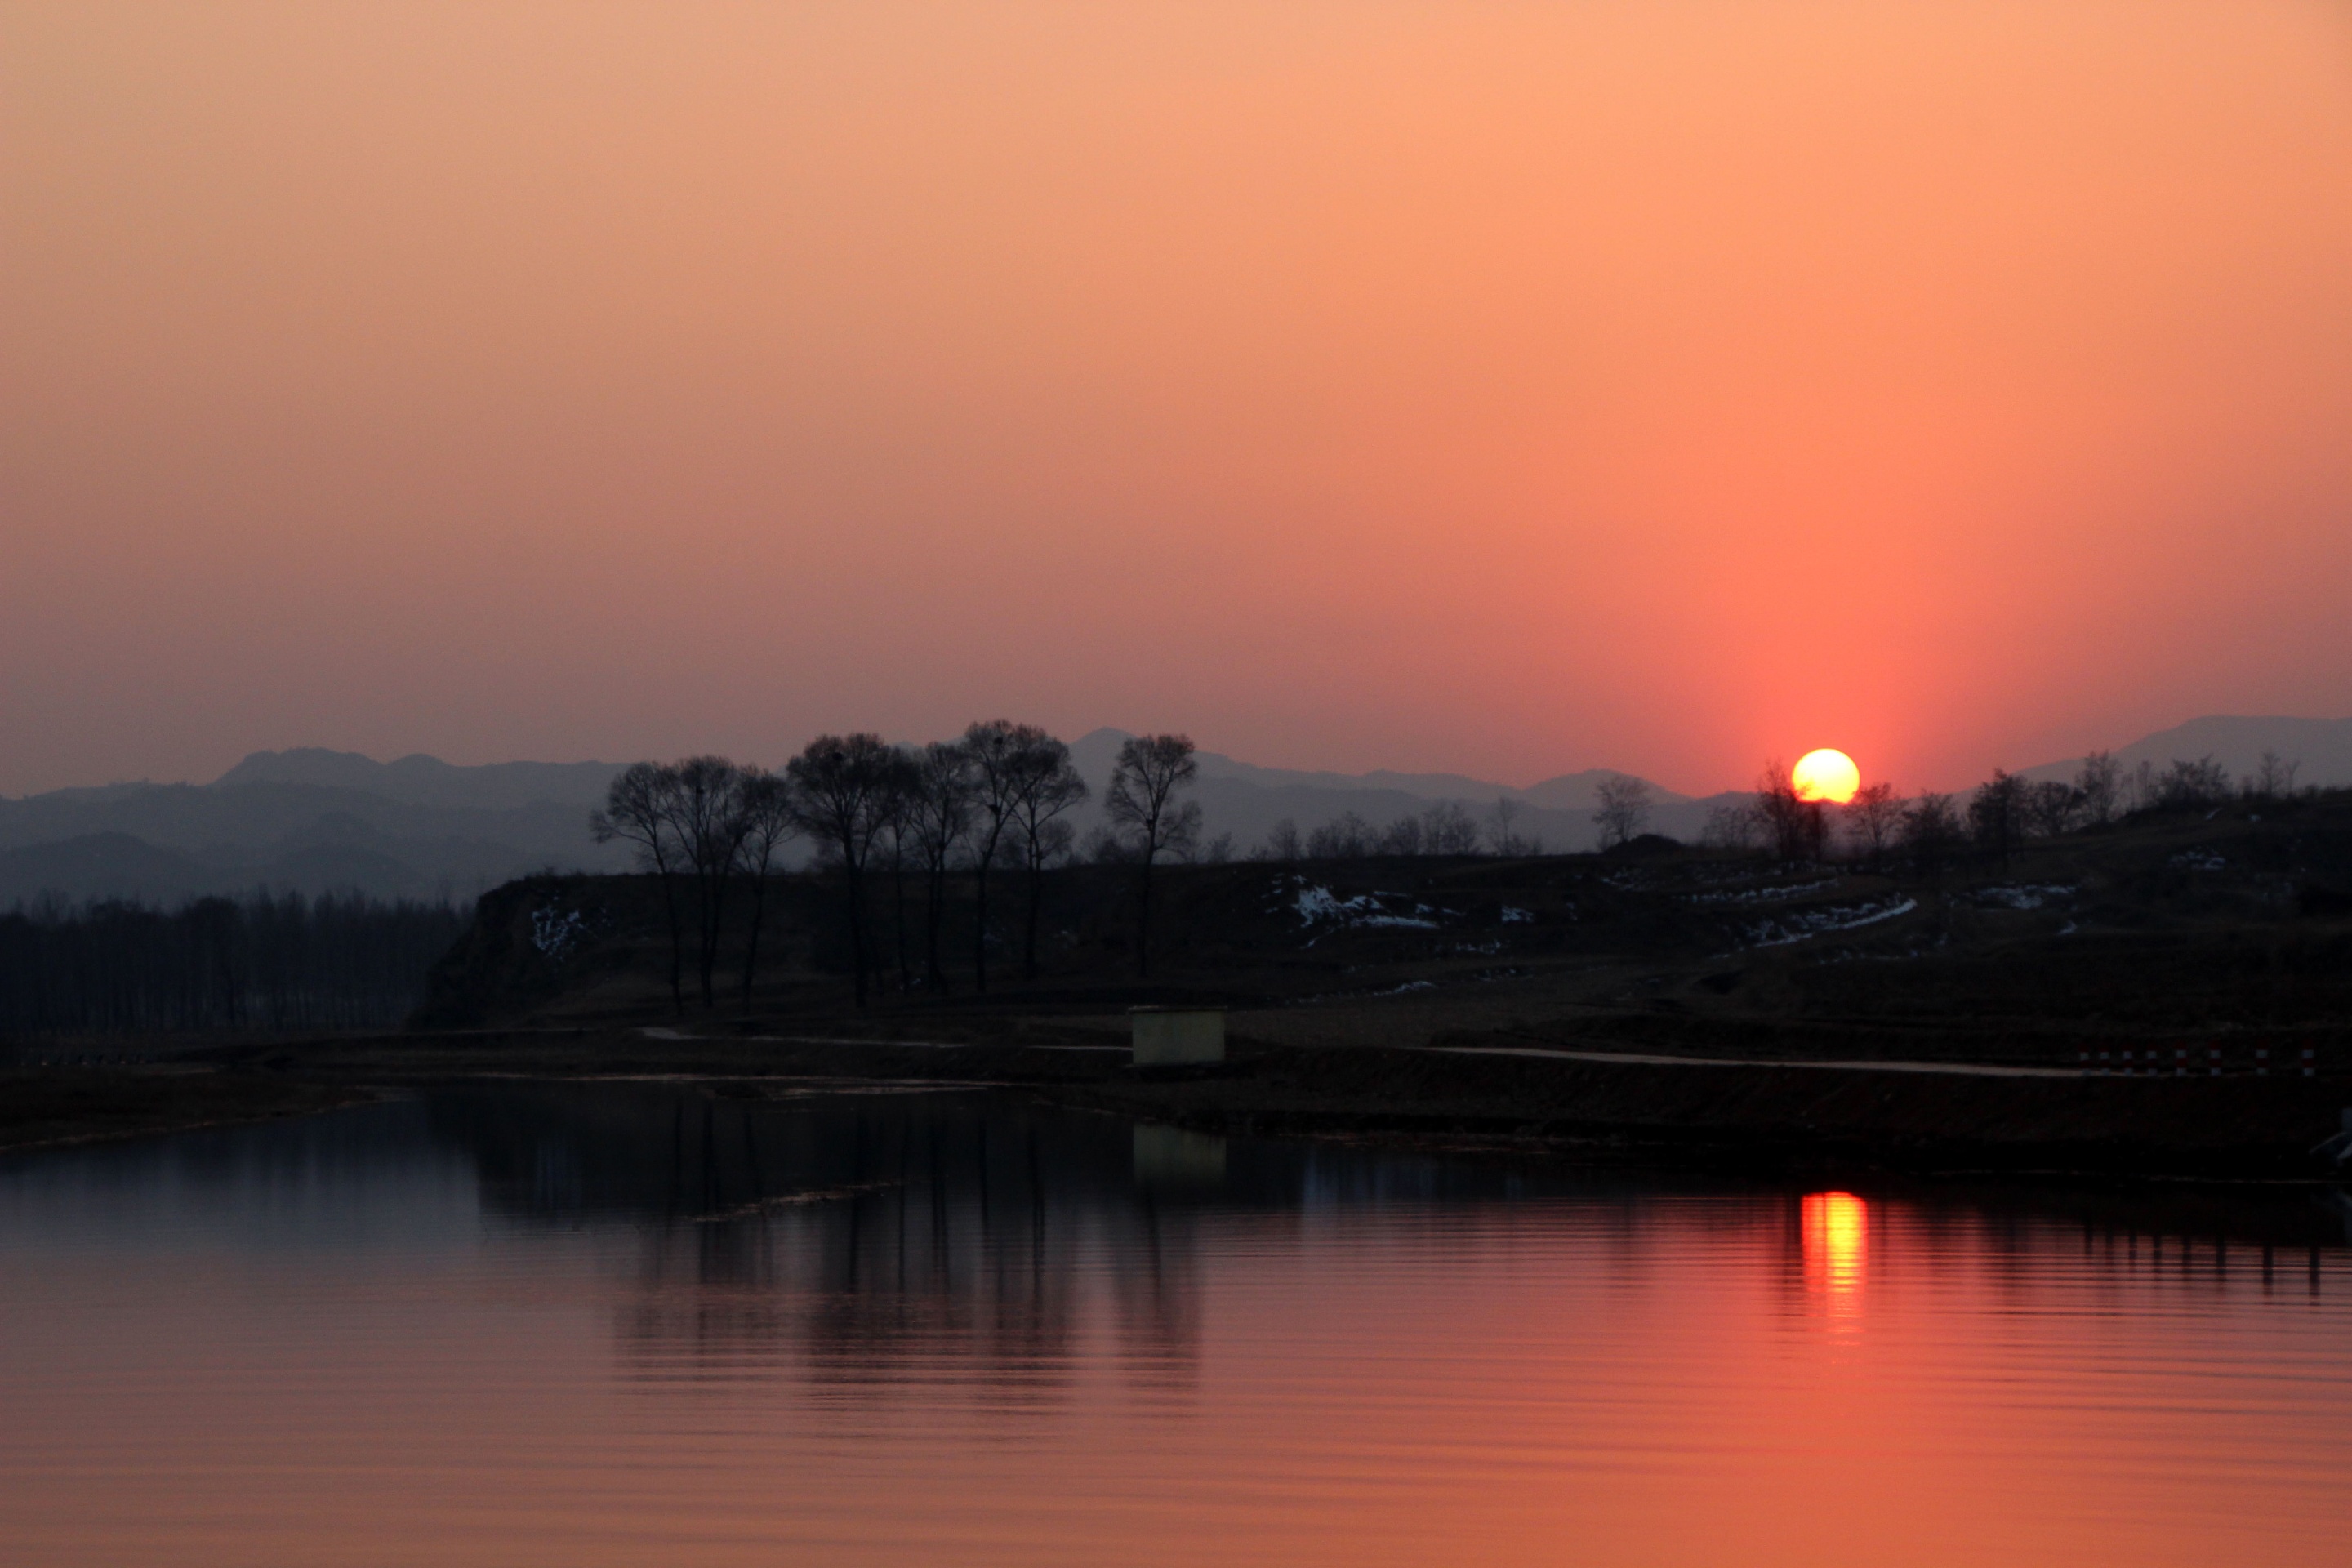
(1503, 388)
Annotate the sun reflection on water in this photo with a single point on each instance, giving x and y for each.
(1837, 1236)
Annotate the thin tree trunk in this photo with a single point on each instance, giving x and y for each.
(898, 921)
(1029, 936)
(934, 897)
(676, 946)
(1143, 919)
(979, 914)
(752, 940)
(857, 930)
(713, 890)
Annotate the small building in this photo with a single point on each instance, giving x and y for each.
(1177, 1037)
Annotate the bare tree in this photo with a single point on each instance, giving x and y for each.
(766, 802)
(1730, 827)
(938, 809)
(1931, 828)
(2048, 807)
(1871, 817)
(1797, 829)
(2097, 785)
(2273, 778)
(639, 810)
(1996, 815)
(1004, 759)
(1346, 838)
(1624, 812)
(1045, 786)
(1500, 837)
(901, 835)
(1282, 843)
(1401, 836)
(2193, 786)
(844, 789)
(706, 813)
(1448, 828)
(1141, 800)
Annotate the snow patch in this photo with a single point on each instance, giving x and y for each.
(2021, 897)
(1319, 906)
(1765, 895)
(556, 932)
(1802, 925)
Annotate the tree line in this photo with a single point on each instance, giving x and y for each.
(1990, 821)
(993, 802)
(267, 962)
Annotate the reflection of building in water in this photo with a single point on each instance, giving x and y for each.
(1171, 1159)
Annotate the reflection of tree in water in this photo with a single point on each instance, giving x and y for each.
(858, 1237)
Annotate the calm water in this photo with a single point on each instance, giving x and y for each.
(636, 1324)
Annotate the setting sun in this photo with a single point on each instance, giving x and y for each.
(1825, 775)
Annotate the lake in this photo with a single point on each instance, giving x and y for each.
(643, 1323)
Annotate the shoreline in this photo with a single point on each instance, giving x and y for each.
(1581, 1106)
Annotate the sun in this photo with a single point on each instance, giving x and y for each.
(1825, 775)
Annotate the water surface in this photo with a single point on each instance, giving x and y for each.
(643, 1324)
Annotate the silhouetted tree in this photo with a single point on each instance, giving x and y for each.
(1346, 836)
(2097, 783)
(1006, 757)
(2048, 807)
(640, 808)
(1044, 786)
(707, 818)
(1732, 827)
(1797, 829)
(1401, 836)
(766, 802)
(2273, 778)
(938, 808)
(1141, 800)
(1624, 812)
(1931, 828)
(844, 789)
(1501, 836)
(1873, 817)
(1996, 815)
(1282, 843)
(1448, 828)
(2192, 786)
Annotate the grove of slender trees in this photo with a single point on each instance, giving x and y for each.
(265, 963)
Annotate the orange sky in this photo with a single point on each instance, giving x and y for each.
(1508, 388)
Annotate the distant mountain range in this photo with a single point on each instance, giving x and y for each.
(316, 820)
(2323, 747)
(308, 820)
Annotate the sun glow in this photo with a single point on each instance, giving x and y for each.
(1826, 774)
